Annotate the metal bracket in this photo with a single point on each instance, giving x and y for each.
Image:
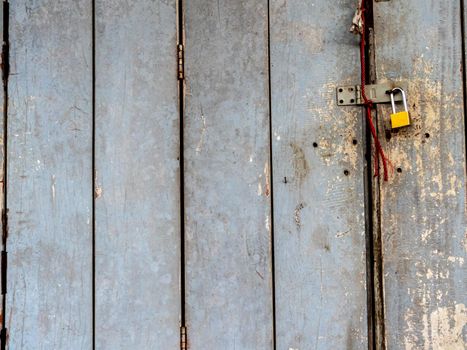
(378, 93)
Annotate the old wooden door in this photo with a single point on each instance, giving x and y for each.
(178, 174)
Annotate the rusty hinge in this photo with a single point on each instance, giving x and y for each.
(181, 62)
(183, 338)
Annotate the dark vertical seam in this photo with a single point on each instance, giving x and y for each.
(369, 240)
(369, 207)
(370, 200)
(5, 75)
(271, 180)
(374, 218)
(93, 34)
(181, 106)
(464, 73)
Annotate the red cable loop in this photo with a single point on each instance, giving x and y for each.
(369, 104)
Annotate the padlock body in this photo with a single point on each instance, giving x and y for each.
(400, 119)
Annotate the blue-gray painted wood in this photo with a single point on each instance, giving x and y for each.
(137, 176)
(227, 176)
(49, 300)
(423, 217)
(319, 222)
(2, 139)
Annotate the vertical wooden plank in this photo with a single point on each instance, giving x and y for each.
(319, 216)
(423, 206)
(3, 106)
(137, 176)
(49, 301)
(227, 179)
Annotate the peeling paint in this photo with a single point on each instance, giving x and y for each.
(260, 189)
(266, 179)
(449, 327)
(297, 218)
(199, 146)
(53, 188)
(98, 192)
(456, 259)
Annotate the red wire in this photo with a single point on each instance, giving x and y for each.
(369, 104)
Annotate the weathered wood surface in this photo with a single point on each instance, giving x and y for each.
(137, 176)
(319, 223)
(423, 207)
(2, 137)
(49, 304)
(227, 176)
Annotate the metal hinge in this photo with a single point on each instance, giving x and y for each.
(181, 62)
(183, 338)
(4, 269)
(3, 338)
(377, 93)
(4, 225)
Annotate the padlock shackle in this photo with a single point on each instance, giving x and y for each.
(404, 99)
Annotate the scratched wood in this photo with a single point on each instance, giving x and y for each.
(137, 176)
(319, 222)
(423, 219)
(227, 176)
(49, 301)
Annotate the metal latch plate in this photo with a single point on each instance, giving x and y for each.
(377, 93)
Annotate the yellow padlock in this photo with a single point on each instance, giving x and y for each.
(399, 119)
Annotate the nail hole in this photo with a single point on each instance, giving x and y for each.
(341, 101)
(352, 101)
(427, 135)
(340, 90)
(346, 173)
(351, 89)
(399, 170)
(315, 144)
(354, 141)
(387, 134)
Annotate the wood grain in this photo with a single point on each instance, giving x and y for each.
(137, 176)
(227, 177)
(49, 300)
(423, 211)
(319, 216)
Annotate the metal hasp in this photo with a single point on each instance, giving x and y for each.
(377, 93)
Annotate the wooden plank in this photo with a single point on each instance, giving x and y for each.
(319, 216)
(423, 206)
(3, 105)
(137, 176)
(49, 304)
(227, 179)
